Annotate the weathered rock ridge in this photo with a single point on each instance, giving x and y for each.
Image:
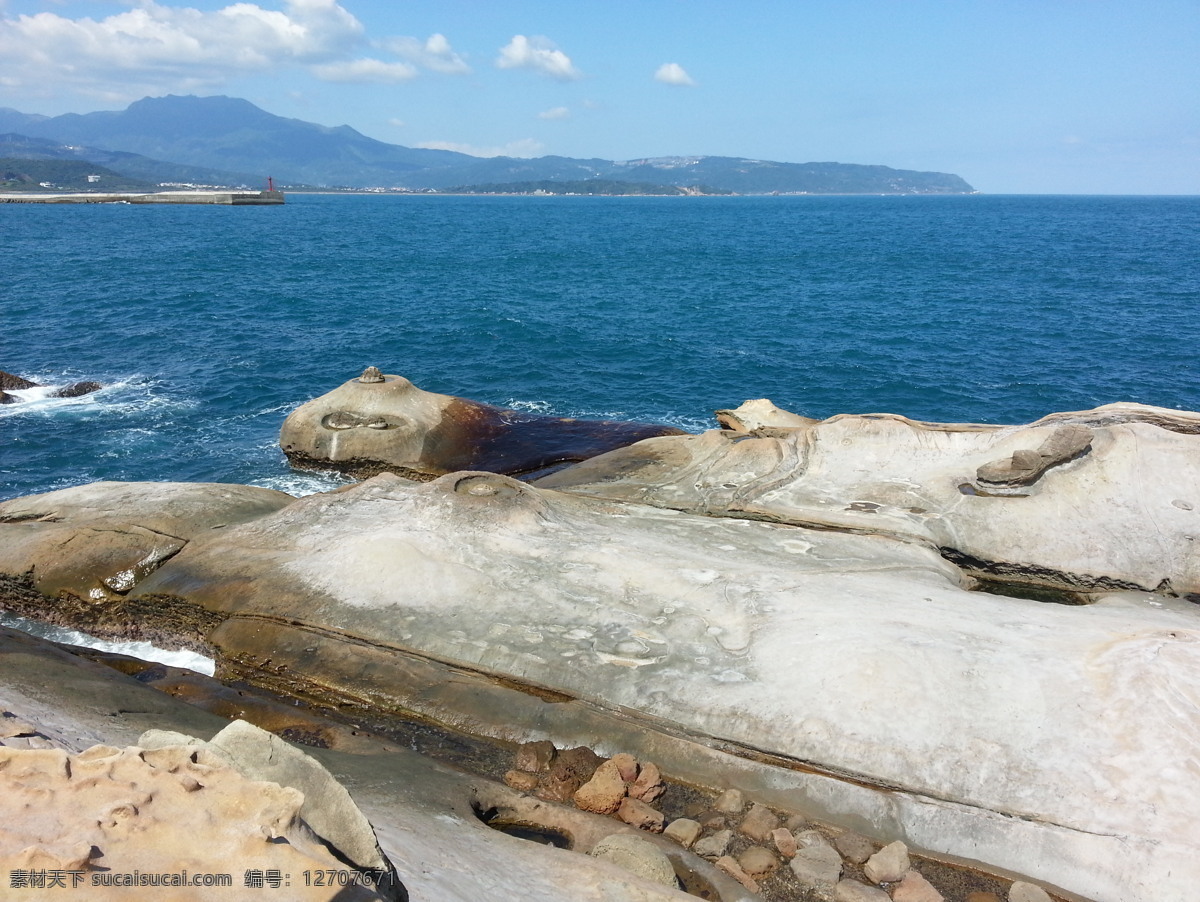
(788, 603)
(378, 423)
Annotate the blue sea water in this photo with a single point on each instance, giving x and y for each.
(209, 324)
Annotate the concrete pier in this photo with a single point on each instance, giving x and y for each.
(235, 198)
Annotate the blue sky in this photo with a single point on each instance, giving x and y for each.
(1043, 96)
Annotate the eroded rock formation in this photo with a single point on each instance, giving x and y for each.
(379, 423)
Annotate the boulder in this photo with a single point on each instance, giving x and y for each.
(638, 856)
(9, 382)
(379, 423)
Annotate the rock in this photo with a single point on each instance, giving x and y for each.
(638, 814)
(816, 863)
(759, 823)
(649, 785)
(683, 830)
(797, 823)
(756, 416)
(853, 891)
(784, 841)
(731, 801)
(535, 757)
(1027, 892)
(1026, 467)
(604, 791)
(734, 870)
(9, 382)
(627, 766)
(758, 862)
(378, 423)
(520, 780)
(6, 398)
(638, 856)
(76, 389)
(854, 847)
(915, 888)
(713, 846)
(888, 864)
(570, 769)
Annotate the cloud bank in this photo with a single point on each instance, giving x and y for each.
(537, 53)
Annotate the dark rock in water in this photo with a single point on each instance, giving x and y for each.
(6, 398)
(76, 389)
(8, 382)
(379, 423)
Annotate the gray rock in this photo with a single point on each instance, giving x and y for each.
(817, 865)
(684, 831)
(731, 801)
(855, 847)
(638, 856)
(888, 864)
(1027, 892)
(713, 846)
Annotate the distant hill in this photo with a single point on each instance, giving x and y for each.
(235, 136)
(63, 175)
(604, 187)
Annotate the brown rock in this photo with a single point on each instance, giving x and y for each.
(784, 841)
(734, 870)
(888, 864)
(535, 757)
(854, 847)
(759, 823)
(731, 801)
(627, 765)
(758, 862)
(569, 771)
(683, 830)
(604, 791)
(649, 785)
(713, 820)
(8, 382)
(521, 780)
(638, 814)
(915, 888)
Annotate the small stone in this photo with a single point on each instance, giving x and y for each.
(603, 792)
(569, 771)
(1027, 892)
(731, 801)
(855, 847)
(982, 897)
(887, 865)
(638, 814)
(521, 781)
(853, 891)
(649, 785)
(915, 888)
(758, 862)
(713, 820)
(713, 846)
(683, 830)
(816, 864)
(797, 822)
(759, 822)
(638, 856)
(371, 374)
(784, 841)
(734, 870)
(627, 765)
(535, 757)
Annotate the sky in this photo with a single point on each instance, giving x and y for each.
(1015, 96)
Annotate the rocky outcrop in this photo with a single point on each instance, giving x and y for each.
(1034, 505)
(381, 423)
(10, 383)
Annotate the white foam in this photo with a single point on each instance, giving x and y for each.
(143, 650)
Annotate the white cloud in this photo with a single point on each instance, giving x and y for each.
(673, 74)
(397, 123)
(365, 71)
(559, 112)
(168, 47)
(537, 53)
(434, 54)
(526, 147)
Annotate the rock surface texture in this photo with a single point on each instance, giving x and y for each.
(379, 423)
(787, 608)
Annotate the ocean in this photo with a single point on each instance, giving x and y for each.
(207, 325)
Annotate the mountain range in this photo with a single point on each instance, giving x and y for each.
(227, 140)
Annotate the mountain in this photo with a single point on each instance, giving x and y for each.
(63, 175)
(233, 135)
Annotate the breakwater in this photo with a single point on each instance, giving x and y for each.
(233, 198)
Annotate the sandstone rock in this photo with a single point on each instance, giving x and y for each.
(854, 847)
(1027, 892)
(1026, 467)
(378, 423)
(731, 801)
(638, 856)
(649, 785)
(784, 841)
(888, 864)
(734, 870)
(816, 863)
(759, 823)
(520, 780)
(604, 791)
(759, 415)
(853, 891)
(683, 830)
(627, 765)
(570, 769)
(915, 888)
(758, 862)
(638, 814)
(535, 757)
(713, 846)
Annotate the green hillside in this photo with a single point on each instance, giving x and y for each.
(19, 174)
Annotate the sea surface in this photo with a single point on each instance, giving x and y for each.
(207, 325)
